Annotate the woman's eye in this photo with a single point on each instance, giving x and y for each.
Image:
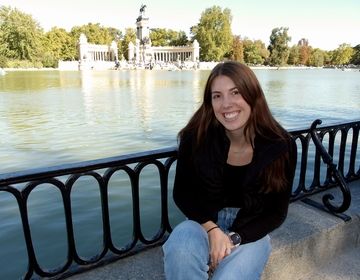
(235, 92)
(214, 96)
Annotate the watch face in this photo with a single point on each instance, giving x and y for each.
(235, 238)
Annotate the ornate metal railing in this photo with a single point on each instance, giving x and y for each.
(311, 143)
(345, 137)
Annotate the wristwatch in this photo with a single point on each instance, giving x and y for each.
(235, 238)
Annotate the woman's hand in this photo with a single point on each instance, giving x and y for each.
(220, 246)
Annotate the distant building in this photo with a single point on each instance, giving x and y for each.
(142, 52)
(93, 56)
(96, 56)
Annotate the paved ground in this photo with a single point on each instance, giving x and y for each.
(345, 267)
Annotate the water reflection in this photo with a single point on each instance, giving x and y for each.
(52, 117)
(143, 92)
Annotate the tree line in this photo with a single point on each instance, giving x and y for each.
(23, 42)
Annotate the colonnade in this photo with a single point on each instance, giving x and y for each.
(92, 52)
(96, 55)
(172, 56)
(145, 53)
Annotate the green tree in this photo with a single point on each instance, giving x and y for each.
(21, 35)
(167, 37)
(278, 47)
(237, 52)
(159, 37)
(3, 58)
(180, 39)
(117, 36)
(255, 52)
(263, 51)
(317, 58)
(96, 34)
(356, 56)
(213, 32)
(130, 36)
(58, 45)
(294, 55)
(328, 57)
(342, 55)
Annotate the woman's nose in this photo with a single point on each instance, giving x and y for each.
(226, 101)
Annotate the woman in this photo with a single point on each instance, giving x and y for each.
(233, 181)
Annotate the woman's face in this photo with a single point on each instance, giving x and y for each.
(230, 108)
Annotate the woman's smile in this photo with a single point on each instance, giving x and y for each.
(231, 116)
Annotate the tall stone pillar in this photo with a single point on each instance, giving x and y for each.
(131, 53)
(143, 36)
(196, 51)
(83, 52)
(137, 51)
(142, 28)
(113, 51)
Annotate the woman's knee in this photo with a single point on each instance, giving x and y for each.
(186, 237)
(264, 246)
(256, 256)
(186, 252)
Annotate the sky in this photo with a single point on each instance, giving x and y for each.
(325, 23)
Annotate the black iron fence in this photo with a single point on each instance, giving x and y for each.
(328, 158)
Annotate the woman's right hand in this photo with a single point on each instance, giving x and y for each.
(220, 246)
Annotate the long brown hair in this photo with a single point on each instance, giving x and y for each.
(260, 122)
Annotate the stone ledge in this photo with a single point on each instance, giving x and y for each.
(308, 240)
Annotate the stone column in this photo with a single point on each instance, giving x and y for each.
(131, 51)
(83, 52)
(196, 51)
(113, 52)
(137, 51)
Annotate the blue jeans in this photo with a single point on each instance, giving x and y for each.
(186, 253)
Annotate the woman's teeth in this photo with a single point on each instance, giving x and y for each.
(230, 115)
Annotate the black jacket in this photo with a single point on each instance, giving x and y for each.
(199, 190)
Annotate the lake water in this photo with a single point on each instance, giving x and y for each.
(52, 117)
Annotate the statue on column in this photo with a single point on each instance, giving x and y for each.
(142, 13)
(142, 10)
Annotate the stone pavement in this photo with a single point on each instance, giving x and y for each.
(311, 244)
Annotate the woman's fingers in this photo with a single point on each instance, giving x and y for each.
(220, 247)
(227, 251)
(217, 258)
